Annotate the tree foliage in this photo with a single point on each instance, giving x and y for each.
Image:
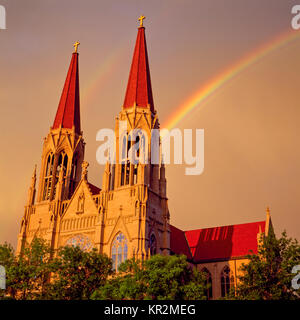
(72, 274)
(39, 274)
(268, 274)
(27, 274)
(160, 277)
(78, 273)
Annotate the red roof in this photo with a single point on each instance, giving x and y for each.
(219, 242)
(178, 242)
(68, 112)
(94, 190)
(139, 88)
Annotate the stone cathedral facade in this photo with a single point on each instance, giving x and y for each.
(129, 216)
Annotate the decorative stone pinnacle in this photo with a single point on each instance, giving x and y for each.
(84, 166)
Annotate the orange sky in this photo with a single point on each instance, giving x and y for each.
(251, 126)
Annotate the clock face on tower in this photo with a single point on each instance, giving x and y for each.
(81, 241)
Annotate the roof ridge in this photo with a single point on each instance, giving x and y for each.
(229, 225)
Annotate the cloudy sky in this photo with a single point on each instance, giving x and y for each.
(251, 124)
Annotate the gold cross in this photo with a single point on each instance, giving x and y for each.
(141, 18)
(75, 45)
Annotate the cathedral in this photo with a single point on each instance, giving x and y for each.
(129, 216)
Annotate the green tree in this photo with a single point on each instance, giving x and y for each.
(6, 260)
(28, 273)
(268, 274)
(77, 274)
(6, 254)
(161, 277)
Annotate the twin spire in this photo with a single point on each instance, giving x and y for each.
(139, 90)
(138, 93)
(68, 111)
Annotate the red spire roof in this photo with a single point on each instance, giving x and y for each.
(139, 89)
(68, 112)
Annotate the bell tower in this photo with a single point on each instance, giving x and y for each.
(62, 157)
(63, 148)
(134, 187)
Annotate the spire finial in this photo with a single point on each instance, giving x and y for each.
(141, 18)
(75, 45)
(268, 210)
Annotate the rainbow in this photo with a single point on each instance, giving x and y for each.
(105, 70)
(209, 88)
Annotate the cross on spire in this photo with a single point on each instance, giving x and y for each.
(75, 45)
(141, 18)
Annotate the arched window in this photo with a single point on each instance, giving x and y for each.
(227, 281)
(125, 162)
(61, 165)
(135, 139)
(73, 176)
(138, 145)
(119, 250)
(135, 164)
(81, 241)
(208, 283)
(144, 148)
(124, 148)
(48, 177)
(152, 245)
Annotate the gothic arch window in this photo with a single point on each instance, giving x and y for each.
(61, 165)
(124, 148)
(137, 151)
(73, 176)
(152, 244)
(48, 177)
(119, 250)
(138, 145)
(227, 281)
(143, 146)
(125, 163)
(81, 241)
(208, 283)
